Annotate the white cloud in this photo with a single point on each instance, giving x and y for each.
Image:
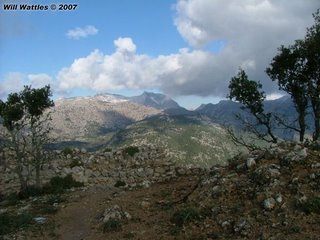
(251, 30)
(39, 80)
(182, 73)
(125, 45)
(84, 32)
(13, 82)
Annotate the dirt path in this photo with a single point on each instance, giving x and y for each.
(80, 217)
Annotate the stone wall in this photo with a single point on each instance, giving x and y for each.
(149, 165)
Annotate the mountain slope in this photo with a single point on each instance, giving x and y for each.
(225, 112)
(155, 100)
(92, 116)
(188, 140)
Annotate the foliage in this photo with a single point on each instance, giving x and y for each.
(59, 184)
(310, 206)
(107, 150)
(66, 151)
(120, 183)
(287, 68)
(25, 118)
(296, 68)
(12, 199)
(75, 163)
(131, 150)
(112, 225)
(249, 94)
(9, 223)
(183, 216)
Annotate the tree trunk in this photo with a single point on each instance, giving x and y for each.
(302, 124)
(316, 127)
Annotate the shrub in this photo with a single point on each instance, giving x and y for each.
(67, 151)
(12, 199)
(59, 184)
(10, 223)
(75, 163)
(107, 150)
(112, 225)
(120, 183)
(310, 206)
(184, 216)
(131, 150)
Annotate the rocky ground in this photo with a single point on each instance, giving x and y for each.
(273, 194)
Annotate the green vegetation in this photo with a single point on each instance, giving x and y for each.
(187, 140)
(131, 150)
(60, 184)
(120, 183)
(66, 151)
(25, 118)
(310, 206)
(10, 223)
(184, 216)
(112, 225)
(107, 150)
(75, 163)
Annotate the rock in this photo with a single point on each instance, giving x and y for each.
(240, 226)
(269, 203)
(145, 204)
(315, 165)
(250, 163)
(83, 150)
(40, 220)
(279, 198)
(116, 213)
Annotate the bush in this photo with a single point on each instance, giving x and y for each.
(10, 223)
(120, 183)
(107, 150)
(30, 191)
(184, 216)
(112, 225)
(131, 150)
(67, 151)
(12, 199)
(310, 206)
(75, 163)
(59, 184)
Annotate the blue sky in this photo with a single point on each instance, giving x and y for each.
(187, 49)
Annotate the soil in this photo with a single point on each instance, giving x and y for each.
(81, 216)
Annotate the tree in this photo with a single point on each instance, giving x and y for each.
(287, 68)
(311, 51)
(36, 101)
(12, 113)
(250, 95)
(24, 117)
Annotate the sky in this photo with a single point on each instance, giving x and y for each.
(187, 49)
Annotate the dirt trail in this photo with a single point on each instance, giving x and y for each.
(79, 219)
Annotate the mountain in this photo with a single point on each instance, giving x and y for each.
(189, 140)
(85, 117)
(155, 100)
(225, 112)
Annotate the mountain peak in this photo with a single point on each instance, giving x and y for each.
(155, 100)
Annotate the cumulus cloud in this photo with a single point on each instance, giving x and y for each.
(251, 30)
(84, 32)
(182, 73)
(39, 80)
(13, 82)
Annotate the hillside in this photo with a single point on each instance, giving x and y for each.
(89, 117)
(272, 194)
(189, 140)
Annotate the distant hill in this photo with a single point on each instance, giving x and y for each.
(225, 112)
(155, 100)
(188, 139)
